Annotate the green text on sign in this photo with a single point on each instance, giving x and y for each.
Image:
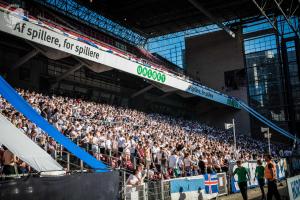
(151, 74)
(233, 103)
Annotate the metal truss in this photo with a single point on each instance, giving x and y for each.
(288, 15)
(185, 33)
(79, 12)
(197, 5)
(262, 9)
(265, 6)
(202, 29)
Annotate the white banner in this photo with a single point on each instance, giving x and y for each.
(25, 149)
(38, 32)
(294, 187)
(228, 126)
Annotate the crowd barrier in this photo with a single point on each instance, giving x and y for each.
(222, 184)
(159, 190)
(293, 184)
(293, 165)
(204, 187)
(91, 186)
(281, 167)
(135, 192)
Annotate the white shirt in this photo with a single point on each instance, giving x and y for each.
(187, 162)
(173, 161)
(102, 141)
(132, 180)
(132, 146)
(95, 140)
(121, 142)
(108, 144)
(154, 149)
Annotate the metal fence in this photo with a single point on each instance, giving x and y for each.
(152, 190)
(161, 190)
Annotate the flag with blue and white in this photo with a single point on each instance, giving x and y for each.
(211, 185)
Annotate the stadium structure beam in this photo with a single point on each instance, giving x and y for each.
(258, 33)
(149, 87)
(287, 17)
(160, 97)
(197, 5)
(64, 75)
(70, 71)
(37, 47)
(83, 62)
(61, 20)
(76, 11)
(25, 58)
(261, 9)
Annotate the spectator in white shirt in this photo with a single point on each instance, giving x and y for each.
(173, 163)
(133, 179)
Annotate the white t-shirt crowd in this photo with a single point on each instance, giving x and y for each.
(165, 145)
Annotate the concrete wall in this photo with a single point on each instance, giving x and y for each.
(207, 58)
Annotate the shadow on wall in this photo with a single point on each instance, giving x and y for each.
(200, 197)
(182, 195)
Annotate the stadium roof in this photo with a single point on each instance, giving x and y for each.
(152, 18)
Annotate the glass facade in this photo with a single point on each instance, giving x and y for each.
(272, 64)
(271, 58)
(172, 46)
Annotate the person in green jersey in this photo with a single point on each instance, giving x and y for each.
(259, 175)
(243, 177)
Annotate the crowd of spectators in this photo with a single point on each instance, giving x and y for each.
(163, 145)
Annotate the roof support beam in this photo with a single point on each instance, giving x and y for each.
(261, 9)
(25, 58)
(287, 18)
(197, 5)
(159, 98)
(149, 87)
(64, 75)
(36, 47)
(70, 71)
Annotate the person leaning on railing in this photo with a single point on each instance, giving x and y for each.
(134, 179)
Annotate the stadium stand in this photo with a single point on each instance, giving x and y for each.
(127, 138)
(150, 146)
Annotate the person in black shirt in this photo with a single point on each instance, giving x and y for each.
(202, 165)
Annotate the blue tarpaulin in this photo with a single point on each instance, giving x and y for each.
(187, 185)
(23, 107)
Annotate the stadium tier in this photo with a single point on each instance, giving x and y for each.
(133, 137)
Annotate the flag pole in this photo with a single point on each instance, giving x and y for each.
(269, 141)
(234, 138)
